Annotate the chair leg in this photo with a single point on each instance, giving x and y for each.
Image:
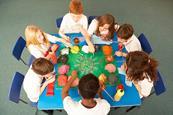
(48, 112)
(23, 61)
(23, 101)
(131, 108)
(36, 113)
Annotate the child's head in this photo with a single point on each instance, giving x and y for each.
(88, 86)
(125, 32)
(42, 67)
(106, 26)
(139, 63)
(34, 35)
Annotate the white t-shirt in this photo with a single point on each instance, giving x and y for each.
(146, 86)
(133, 44)
(68, 25)
(32, 83)
(76, 108)
(36, 52)
(93, 27)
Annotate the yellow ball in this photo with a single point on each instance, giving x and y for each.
(75, 49)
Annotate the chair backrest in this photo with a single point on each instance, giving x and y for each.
(31, 59)
(18, 48)
(90, 18)
(145, 44)
(14, 92)
(58, 22)
(159, 86)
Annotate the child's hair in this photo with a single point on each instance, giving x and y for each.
(125, 31)
(76, 7)
(31, 38)
(106, 19)
(139, 63)
(42, 66)
(88, 86)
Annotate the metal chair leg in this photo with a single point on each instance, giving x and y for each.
(23, 101)
(23, 61)
(131, 108)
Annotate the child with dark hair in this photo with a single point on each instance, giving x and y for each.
(103, 26)
(88, 88)
(141, 69)
(126, 37)
(40, 68)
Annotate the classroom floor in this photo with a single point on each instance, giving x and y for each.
(152, 17)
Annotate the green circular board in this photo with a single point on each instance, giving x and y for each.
(86, 63)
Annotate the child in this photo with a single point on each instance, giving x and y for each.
(40, 68)
(88, 88)
(74, 19)
(141, 70)
(126, 37)
(103, 27)
(38, 42)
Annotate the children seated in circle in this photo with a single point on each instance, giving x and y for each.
(141, 69)
(126, 37)
(89, 105)
(38, 42)
(74, 20)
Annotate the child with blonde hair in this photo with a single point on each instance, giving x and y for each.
(141, 69)
(38, 42)
(73, 20)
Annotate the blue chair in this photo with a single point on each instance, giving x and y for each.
(31, 59)
(90, 18)
(18, 49)
(58, 22)
(15, 89)
(159, 86)
(145, 44)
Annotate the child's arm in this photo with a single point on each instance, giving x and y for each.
(88, 41)
(56, 39)
(120, 53)
(50, 80)
(62, 34)
(67, 86)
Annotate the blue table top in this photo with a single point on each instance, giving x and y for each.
(130, 98)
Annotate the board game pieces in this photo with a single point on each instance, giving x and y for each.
(85, 49)
(50, 89)
(76, 41)
(102, 79)
(65, 51)
(107, 50)
(63, 69)
(110, 59)
(75, 49)
(62, 80)
(51, 53)
(110, 68)
(119, 92)
(112, 79)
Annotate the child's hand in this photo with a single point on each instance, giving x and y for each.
(74, 74)
(123, 67)
(67, 39)
(118, 53)
(50, 79)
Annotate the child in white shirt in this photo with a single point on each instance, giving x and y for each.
(40, 68)
(38, 42)
(125, 35)
(141, 70)
(73, 20)
(88, 88)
